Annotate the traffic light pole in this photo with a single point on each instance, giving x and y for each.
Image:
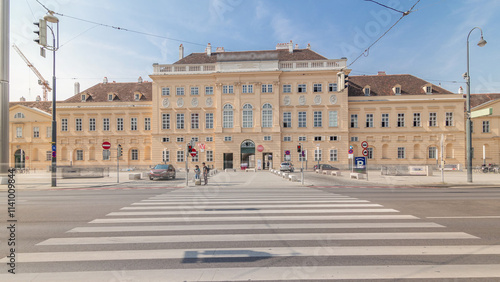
(118, 164)
(187, 169)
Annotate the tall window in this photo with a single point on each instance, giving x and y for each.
(267, 115)
(401, 153)
(92, 124)
(432, 152)
(64, 124)
(165, 91)
(367, 91)
(432, 119)
(36, 132)
(19, 132)
(195, 121)
(209, 120)
(370, 153)
(317, 155)
(287, 88)
(133, 123)
(354, 121)
(267, 88)
(79, 155)
(180, 156)
(180, 121)
(416, 119)
(165, 121)
(449, 119)
(287, 119)
(227, 116)
(165, 156)
(210, 156)
(194, 91)
(247, 88)
(49, 132)
(333, 119)
(147, 123)
(78, 124)
(134, 154)
(227, 89)
(486, 126)
(317, 119)
(385, 120)
(401, 120)
(334, 155)
(119, 124)
(369, 120)
(302, 120)
(106, 155)
(247, 117)
(317, 87)
(301, 88)
(48, 155)
(209, 90)
(105, 124)
(179, 91)
(332, 87)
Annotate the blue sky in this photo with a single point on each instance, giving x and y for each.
(429, 43)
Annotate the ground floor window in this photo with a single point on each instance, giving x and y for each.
(48, 155)
(333, 155)
(166, 156)
(210, 156)
(317, 155)
(180, 156)
(135, 155)
(401, 153)
(195, 158)
(106, 155)
(79, 155)
(432, 152)
(370, 153)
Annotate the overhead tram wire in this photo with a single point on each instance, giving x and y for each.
(385, 6)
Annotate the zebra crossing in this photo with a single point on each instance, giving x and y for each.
(266, 234)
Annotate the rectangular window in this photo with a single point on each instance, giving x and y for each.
(179, 139)
(133, 123)
(317, 138)
(79, 155)
(401, 153)
(227, 89)
(302, 120)
(433, 153)
(180, 156)
(147, 123)
(247, 118)
(209, 139)
(247, 88)
(92, 124)
(165, 139)
(301, 88)
(210, 156)
(385, 120)
(48, 155)
(180, 121)
(137, 97)
(165, 91)
(49, 132)
(78, 124)
(105, 124)
(287, 138)
(135, 154)
(106, 155)
(303, 156)
(287, 88)
(486, 126)
(209, 90)
(165, 156)
(110, 97)
(267, 88)
(267, 138)
(332, 87)
(84, 97)
(119, 124)
(302, 138)
(333, 119)
(416, 119)
(369, 120)
(317, 155)
(354, 139)
(334, 138)
(64, 124)
(36, 132)
(397, 90)
(195, 121)
(318, 119)
(333, 155)
(370, 153)
(287, 119)
(165, 121)
(432, 119)
(209, 120)
(228, 138)
(19, 132)
(428, 89)
(317, 87)
(367, 91)
(195, 158)
(194, 91)
(354, 121)
(401, 120)
(179, 91)
(449, 119)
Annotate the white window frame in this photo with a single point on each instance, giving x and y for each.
(332, 87)
(401, 120)
(302, 88)
(48, 155)
(268, 138)
(180, 156)
(209, 156)
(106, 154)
(417, 120)
(247, 88)
(79, 155)
(369, 120)
(370, 153)
(287, 138)
(317, 87)
(317, 119)
(195, 120)
(36, 132)
(287, 88)
(209, 90)
(401, 153)
(227, 116)
(267, 88)
(209, 120)
(147, 123)
(333, 119)
(334, 156)
(432, 153)
(287, 119)
(179, 139)
(49, 132)
(195, 91)
(64, 124)
(133, 123)
(227, 89)
(179, 121)
(318, 155)
(91, 124)
(354, 121)
(19, 132)
(179, 91)
(267, 115)
(449, 119)
(165, 121)
(302, 138)
(78, 124)
(486, 126)
(385, 120)
(165, 156)
(433, 119)
(302, 119)
(228, 138)
(165, 91)
(209, 139)
(119, 124)
(247, 116)
(105, 124)
(165, 139)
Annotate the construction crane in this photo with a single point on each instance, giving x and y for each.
(41, 80)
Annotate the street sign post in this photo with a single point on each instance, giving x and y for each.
(193, 153)
(106, 145)
(365, 152)
(364, 144)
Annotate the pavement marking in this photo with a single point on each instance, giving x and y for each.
(466, 217)
(291, 273)
(255, 237)
(255, 218)
(207, 202)
(269, 252)
(248, 211)
(253, 226)
(196, 207)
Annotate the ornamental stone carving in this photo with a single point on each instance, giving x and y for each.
(165, 102)
(194, 102)
(333, 99)
(180, 102)
(317, 99)
(287, 100)
(209, 102)
(302, 100)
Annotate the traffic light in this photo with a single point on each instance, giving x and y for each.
(41, 32)
(299, 148)
(346, 80)
(190, 148)
(119, 150)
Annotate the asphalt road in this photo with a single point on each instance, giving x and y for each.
(254, 227)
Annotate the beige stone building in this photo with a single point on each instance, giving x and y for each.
(253, 108)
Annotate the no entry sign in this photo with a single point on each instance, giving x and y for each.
(106, 145)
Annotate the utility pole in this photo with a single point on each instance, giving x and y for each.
(4, 90)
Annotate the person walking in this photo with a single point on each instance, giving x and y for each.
(205, 173)
(197, 172)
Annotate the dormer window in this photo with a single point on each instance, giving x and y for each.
(137, 96)
(110, 97)
(84, 97)
(428, 89)
(19, 115)
(366, 90)
(397, 90)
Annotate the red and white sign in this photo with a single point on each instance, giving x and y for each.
(201, 146)
(365, 152)
(364, 144)
(193, 153)
(260, 148)
(106, 145)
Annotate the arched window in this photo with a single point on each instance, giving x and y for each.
(227, 116)
(267, 115)
(19, 115)
(247, 116)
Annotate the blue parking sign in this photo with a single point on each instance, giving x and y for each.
(360, 162)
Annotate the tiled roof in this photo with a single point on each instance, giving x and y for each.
(479, 99)
(45, 106)
(124, 92)
(281, 55)
(382, 85)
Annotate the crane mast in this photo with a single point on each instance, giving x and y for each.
(41, 80)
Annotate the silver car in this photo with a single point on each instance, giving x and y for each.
(162, 171)
(286, 166)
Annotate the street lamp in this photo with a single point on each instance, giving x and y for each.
(481, 43)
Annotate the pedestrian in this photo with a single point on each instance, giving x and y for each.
(197, 172)
(205, 173)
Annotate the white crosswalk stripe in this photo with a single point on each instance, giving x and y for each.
(302, 223)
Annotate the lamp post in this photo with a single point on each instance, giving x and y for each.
(481, 43)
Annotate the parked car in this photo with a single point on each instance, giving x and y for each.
(324, 167)
(162, 171)
(286, 166)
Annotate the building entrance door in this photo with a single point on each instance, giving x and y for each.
(228, 160)
(268, 160)
(247, 154)
(19, 159)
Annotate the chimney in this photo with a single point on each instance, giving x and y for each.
(77, 87)
(290, 47)
(381, 73)
(105, 80)
(139, 80)
(460, 90)
(181, 52)
(38, 98)
(208, 50)
(296, 46)
(22, 99)
(220, 49)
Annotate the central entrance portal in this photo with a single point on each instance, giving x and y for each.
(248, 154)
